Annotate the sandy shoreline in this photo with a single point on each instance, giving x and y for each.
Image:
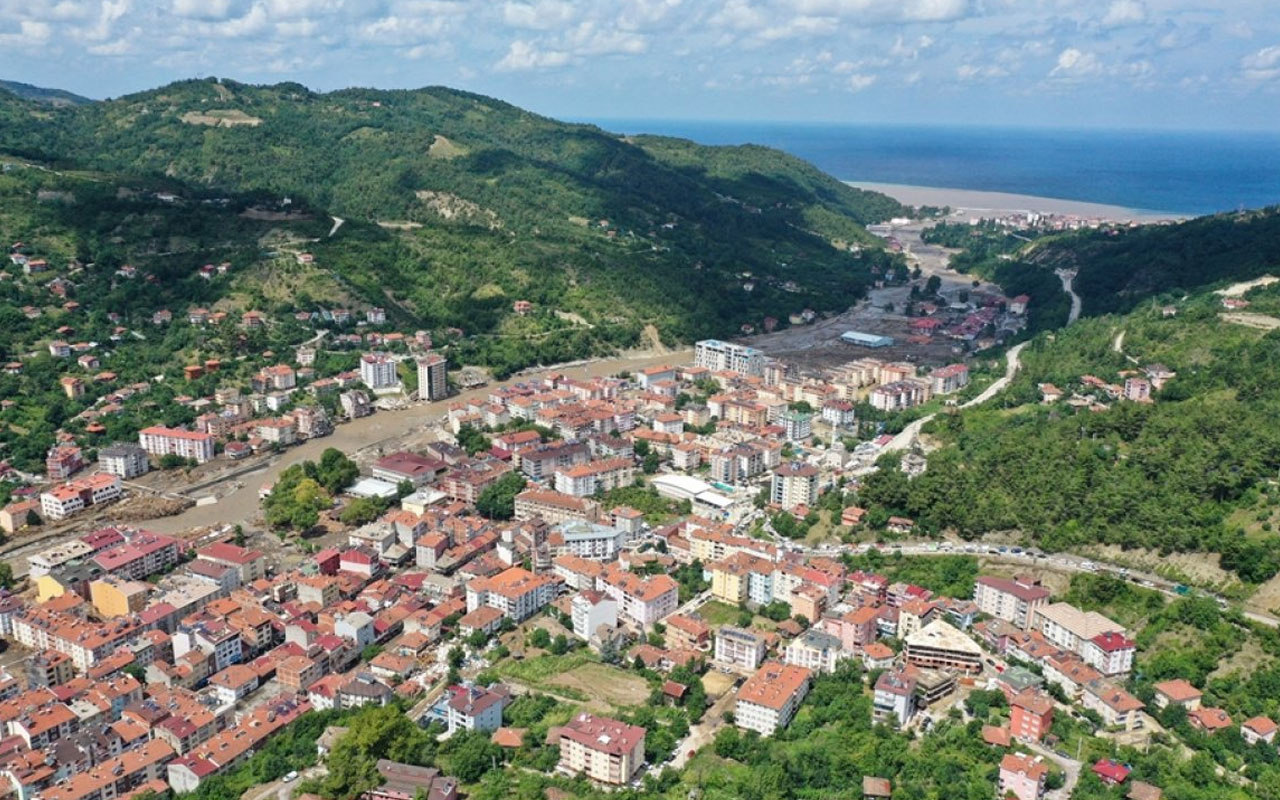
(990, 202)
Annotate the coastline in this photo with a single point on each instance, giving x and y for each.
(1002, 202)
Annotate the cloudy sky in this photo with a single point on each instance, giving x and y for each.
(1133, 63)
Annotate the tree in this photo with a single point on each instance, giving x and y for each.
(336, 471)
(468, 755)
(6, 575)
(560, 645)
(650, 462)
(498, 499)
(362, 511)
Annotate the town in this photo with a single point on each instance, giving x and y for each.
(683, 537)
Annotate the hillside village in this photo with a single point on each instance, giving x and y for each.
(592, 544)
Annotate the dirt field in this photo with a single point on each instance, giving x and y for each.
(1260, 321)
(717, 683)
(604, 684)
(1238, 289)
(818, 346)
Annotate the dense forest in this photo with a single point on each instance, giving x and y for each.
(1167, 475)
(1118, 267)
(457, 205)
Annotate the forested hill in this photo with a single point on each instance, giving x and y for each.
(41, 94)
(1191, 471)
(459, 204)
(1120, 268)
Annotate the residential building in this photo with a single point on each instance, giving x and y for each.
(739, 649)
(62, 461)
(475, 708)
(769, 699)
(642, 601)
(432, 377)
(603, 749)
(1118, 708)
(590, 611)
(378, 371)
(794, 484)
(1258, 729)
(948, 379)
(1109, 653)
(719, 356)
(1070, 628)
(516, 592)
(1022, 777)
(1014, 601)
(160, 441)
(125, 460)
(1031, 715)
(553, 507)
(586, 540)
(1177, 692)
(816, 651)
(894, 701)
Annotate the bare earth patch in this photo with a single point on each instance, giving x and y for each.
(604, 684)
(221, 118)
(445, 149)
(1260, 321)
(1200, 569)
(1239, 289)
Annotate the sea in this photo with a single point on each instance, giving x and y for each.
(1177, 172)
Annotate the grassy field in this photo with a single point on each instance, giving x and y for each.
(717, 613)
(540, 670)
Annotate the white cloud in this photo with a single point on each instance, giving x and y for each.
(205, 9)
(875, 12)
(542, 15)
(978, 72)
(1263, 65)
(1074, 63)
(522, 56)
(857, 82)
(1125, 12)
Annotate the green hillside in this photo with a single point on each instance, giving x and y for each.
(1190, 471)
(41, 94)
(458, 204)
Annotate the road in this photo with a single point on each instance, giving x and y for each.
(1067, 276)
(704, 732)
(907, 436)
(1069, 766)
(1060, 562)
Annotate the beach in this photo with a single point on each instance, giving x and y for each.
(976, 202)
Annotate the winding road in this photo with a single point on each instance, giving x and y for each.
(1067, 276)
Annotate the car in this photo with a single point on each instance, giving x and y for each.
(290, 776)
(1016, 551)
(1003, 549)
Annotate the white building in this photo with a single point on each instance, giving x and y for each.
(123, 459)
(590, 610)
(585, 539)
(1014, 601)
(769, 698)
(719, 356)
(815, 650)
(160, 441)
(794, 484)
(737, 648)
(378, 371)
(1070, 628)
(895, 699)
(1109, 653)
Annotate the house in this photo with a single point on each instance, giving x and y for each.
(603, 749)
(475, 708)
(1209, 720)
(876, 788)
(1118, 708)
(1258, 729)
(1022, 777)
(1177, 692)
(1112, 773)
(769, 699)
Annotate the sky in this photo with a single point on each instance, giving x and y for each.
(1053, 63)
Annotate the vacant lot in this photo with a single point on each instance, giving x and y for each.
(608, 685)
(717, 683)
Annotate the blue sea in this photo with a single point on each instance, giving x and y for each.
(1159, 171)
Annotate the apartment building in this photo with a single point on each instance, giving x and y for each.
(719, 356)
(1109, 653)
(894, 700)
(1068, 627)
(816, 651)
(516, 592)
(604, 475)
(641, 601)
(794, 484)
(1022, 777)
(603, 749)
(1014, 601)
(160, 441)
(124, 460)
(555, 508)
(433, 370)
(72, 497)
(585, 540)
(769, 699)
(739, 649)
(379, 371)
(1031, 715)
